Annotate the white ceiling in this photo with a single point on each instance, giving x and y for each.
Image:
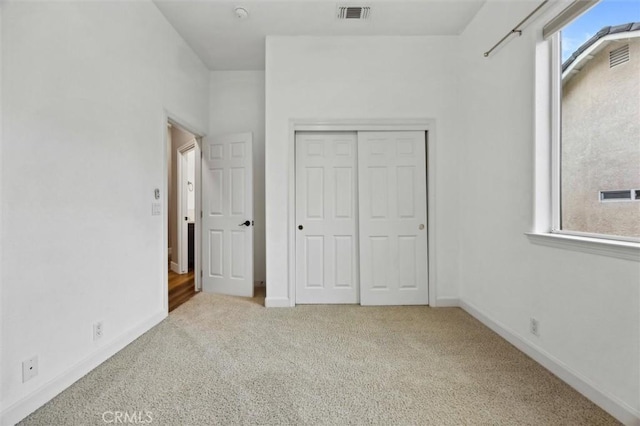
(225, 42)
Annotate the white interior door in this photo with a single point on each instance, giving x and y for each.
(326, 218)
(393, 218)
(227, 210)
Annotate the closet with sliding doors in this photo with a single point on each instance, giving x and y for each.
(361, 218)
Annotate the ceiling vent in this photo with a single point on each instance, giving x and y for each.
(354, 12)
(619, 56)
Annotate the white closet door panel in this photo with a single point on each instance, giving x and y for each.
(326, 209)
(344, 251)
(392, 218)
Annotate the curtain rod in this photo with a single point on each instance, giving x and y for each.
(516, 29)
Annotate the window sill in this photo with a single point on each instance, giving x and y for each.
(612, 248)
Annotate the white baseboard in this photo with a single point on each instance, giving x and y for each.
(27, 405)
(446, 302)
(611, 404)
(277, 302)
(618, 409)
(175, 268)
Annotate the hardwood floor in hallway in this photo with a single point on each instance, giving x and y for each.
(181, 288)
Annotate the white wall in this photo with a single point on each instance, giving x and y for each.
(1, 200)
(359, 78)
(84, 88)
(237, 106)
(587, 304)
(83, 124)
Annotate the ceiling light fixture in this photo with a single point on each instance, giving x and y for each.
(241, 12)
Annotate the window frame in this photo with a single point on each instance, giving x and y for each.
(556, 132)
(547, 190)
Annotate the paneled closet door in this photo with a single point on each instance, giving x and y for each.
(326, 218)
(392, 218)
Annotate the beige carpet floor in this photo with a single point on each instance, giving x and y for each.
(221, 360)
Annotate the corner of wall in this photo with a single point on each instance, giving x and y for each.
(447, 302)
(610, 403)
(504, 279)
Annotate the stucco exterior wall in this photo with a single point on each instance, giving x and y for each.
(601, 144)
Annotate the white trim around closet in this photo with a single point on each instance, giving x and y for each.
(355, 125)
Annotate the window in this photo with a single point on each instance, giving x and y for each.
(597, 120)
(625, 195)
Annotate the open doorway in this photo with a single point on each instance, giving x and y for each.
(183, 224)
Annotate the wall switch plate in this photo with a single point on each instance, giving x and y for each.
(98, 330)
(156, 209)
(29, 369)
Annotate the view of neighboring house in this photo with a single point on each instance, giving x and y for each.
(601, 134)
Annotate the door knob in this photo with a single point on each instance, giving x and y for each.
(245, 223)
(300, 227)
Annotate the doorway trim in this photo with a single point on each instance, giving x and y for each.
(168, 117)
(181, 163)
(427, 125)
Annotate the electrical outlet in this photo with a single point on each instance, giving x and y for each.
(534, 326)
(98, 330)
(29, 369)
